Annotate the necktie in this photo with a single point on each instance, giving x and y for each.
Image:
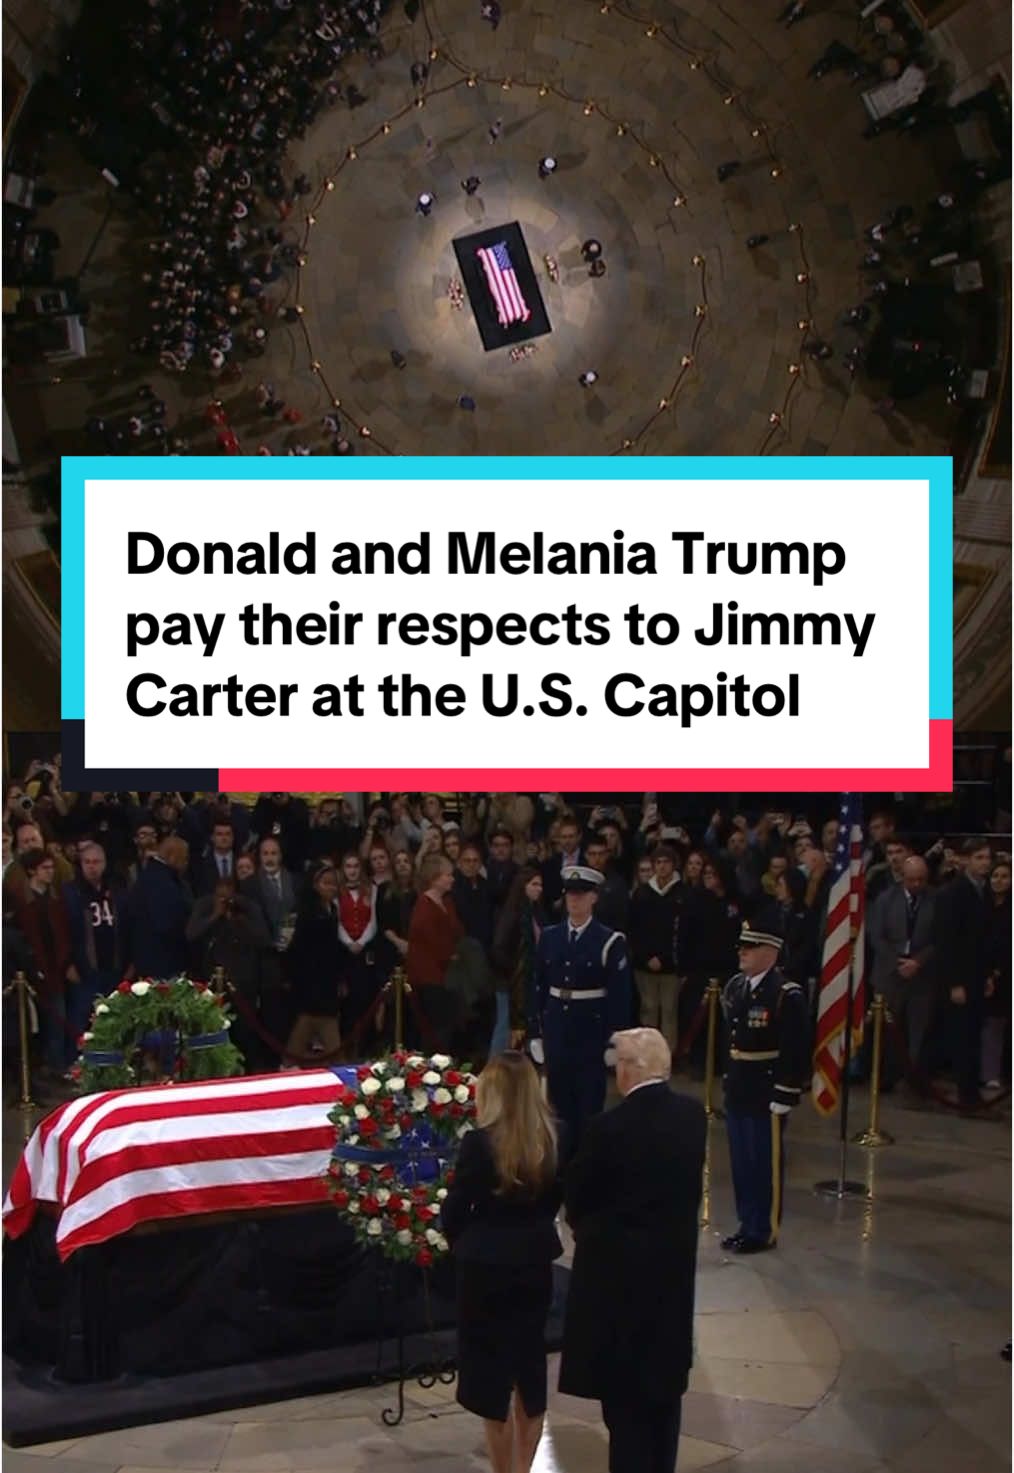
(573, 936)
(223, 866)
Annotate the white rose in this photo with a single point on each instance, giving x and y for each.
(440, 1061)
(87, 1037)
(396, 1085)
(370, 1086)
(351, 1169)
(101, 1008)
(441, 1096)
(383, 1196)
(431, 1077)
(404, 1237)
(360, 1112)
(420, 1099)
(394, 1133)
(441, 1243)
(461, 1094)
(374, 1228)
(353, 1206)
(431, 1235)
(463, 1130)
(353, 1140)
(441, 1193)
(140, 989)
(378, 1067)
(415, 1061)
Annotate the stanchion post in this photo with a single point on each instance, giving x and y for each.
(21, 984)
(873, 1135)
(218, 982)
(398, 983)
(712, 994)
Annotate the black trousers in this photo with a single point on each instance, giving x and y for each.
(643, 1436)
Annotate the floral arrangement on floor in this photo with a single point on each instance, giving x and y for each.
(397, 1134)
(149, 1032)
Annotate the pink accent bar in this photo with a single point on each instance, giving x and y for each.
(936, 778)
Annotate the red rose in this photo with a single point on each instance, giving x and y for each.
(414, 1079)
(424, 1258)
(364, 1178)
(437, 1110)
(201, 986)
(402, 1223)
(369, 1205)
(395, 1204)
(452, 1077)
(368, 1128)
(400, 1056)
(456, 1111)
(420, 1194)
(450, 1176)
(75, 1072)
(80, 1040)
(363, 1072)
(387, 1173)
(124, 987)
(341, 1197)
(405, 1122)
(424, 1213)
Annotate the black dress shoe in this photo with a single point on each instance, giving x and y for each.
(732, 1242)
(752, 1245)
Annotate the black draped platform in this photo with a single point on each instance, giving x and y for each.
(483, 307)
(195, 1318)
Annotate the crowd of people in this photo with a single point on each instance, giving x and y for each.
(308, 907)
(211, 100)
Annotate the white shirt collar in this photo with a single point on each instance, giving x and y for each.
(577, 931)
(755, 982)
(643, 1084)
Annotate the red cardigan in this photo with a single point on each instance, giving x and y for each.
(433, 937)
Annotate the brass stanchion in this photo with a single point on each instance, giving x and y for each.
(22, 986)
(219, 985)
(713, 994)
(873, 1135)
(398, 983)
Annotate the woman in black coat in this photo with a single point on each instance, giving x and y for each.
(499, 1216)
(314, 963)
(706, 942)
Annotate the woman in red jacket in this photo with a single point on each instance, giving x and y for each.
(433, 937)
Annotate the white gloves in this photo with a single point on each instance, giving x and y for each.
(536, 1050)
(777, 1109)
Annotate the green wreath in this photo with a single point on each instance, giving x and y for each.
(149, 1032)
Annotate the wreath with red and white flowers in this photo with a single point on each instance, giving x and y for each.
(397, 1131)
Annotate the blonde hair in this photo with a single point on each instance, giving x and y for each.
(644, 1050)
(433, 865)
(522, 1132)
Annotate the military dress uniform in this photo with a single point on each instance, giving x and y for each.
(582, 997)
(768, 1063)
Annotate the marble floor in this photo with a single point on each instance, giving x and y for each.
(868, 1343)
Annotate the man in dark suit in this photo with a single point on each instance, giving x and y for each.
(901, 934)
(218, 860)
(158, 908)
(569, 856)
(963, 962)
(632, 1198)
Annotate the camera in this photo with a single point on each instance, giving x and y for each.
(25, 803)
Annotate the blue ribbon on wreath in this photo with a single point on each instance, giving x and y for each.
(97, 1058)
(207, 1040)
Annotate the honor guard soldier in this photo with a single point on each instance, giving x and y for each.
(769, 1059)
(582, 984)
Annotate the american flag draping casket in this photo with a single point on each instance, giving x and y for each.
(504, 286)
(111, 1161)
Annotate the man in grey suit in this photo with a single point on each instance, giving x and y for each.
(276, 891)
(901, 936)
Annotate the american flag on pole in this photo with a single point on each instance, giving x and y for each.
(511, 306)
(110, 1161)
(844, 955)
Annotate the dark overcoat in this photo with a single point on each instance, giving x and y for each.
(633, 1195)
